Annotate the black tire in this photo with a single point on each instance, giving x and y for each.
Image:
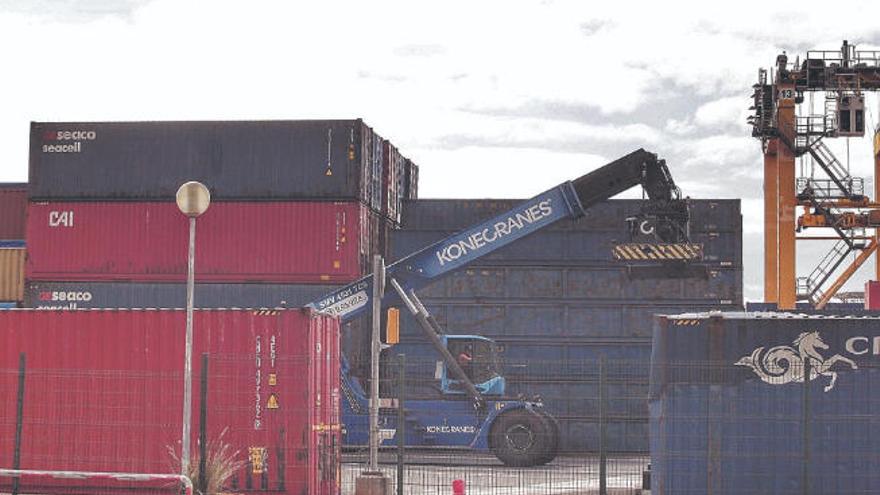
(553, 444)
(521, 438)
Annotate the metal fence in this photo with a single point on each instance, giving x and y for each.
(600, 408)
(715, 428)
(259, 426)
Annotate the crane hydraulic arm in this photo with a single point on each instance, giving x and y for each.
(567, 200)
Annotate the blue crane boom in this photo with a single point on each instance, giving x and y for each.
(567, 200)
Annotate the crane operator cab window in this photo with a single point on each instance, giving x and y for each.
(478, 358)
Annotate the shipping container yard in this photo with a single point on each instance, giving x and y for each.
(268, 307)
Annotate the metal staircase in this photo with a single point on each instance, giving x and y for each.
(847, 186)
(831, 99)
(810, 287)
(810, 131)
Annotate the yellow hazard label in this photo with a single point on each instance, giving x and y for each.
(272, 403)
(257, 458)
(273, 379)
(658, 252)
(690, 323)
(326, 427)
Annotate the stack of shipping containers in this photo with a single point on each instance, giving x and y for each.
(13, 207)
(557, 301)
(103, 393)
(731, 413)
(298, 207)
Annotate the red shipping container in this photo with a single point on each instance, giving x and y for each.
(284, 242)
(13, 209)
(103, 392)
(872, 295)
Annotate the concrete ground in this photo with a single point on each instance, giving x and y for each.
(433, 473)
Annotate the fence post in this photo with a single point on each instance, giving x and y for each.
(805, 468)
(603, 454)
(203, 426)
(19, 422)
(401, 422)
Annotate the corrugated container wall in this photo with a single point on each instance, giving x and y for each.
(411, 181)
(557, 302)
(13, 209)
(872, 295)
(89, 295)
(731, 413)
(292, 242)
(393, 182)
(12, 261)
(104, 393)
(258, 160)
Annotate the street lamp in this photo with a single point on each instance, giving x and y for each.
(193, 199)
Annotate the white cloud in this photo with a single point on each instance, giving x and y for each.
(675, 81)
(724, 113)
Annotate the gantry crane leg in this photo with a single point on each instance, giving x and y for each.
(771, 241)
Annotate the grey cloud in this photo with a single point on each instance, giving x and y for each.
(419, 50)
(668, 101)
(392, 78)
(567, 144)
(73, 10)
(593, 26)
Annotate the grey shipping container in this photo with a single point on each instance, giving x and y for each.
(715, 224)
(80, 295)
(707, 215)
(548, 320)
(733, 410)
(572, 247)
(536, 284)
(257, 160)
(564, 374)
(557, 302)
(552, 350)
(411, 180)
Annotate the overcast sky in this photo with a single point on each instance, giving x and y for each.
(491, 98)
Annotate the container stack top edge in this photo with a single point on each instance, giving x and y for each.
(769, 315)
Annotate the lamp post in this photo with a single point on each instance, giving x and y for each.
(193, 199)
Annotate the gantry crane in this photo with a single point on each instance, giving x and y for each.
(836, 202)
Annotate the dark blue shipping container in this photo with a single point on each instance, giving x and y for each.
(571, 248)
(564, 374)
(256, 160)
(559, 283)
(732, 413)
(707, 215)
(547, 320)
(7, 305)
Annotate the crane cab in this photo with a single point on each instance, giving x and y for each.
(480, 359)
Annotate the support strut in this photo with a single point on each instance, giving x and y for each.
(433, 331)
